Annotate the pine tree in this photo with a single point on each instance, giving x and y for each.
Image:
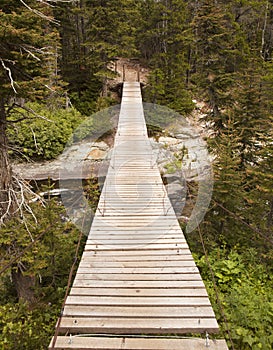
(27, 39)
(218, 54)
(164, 42)
(93, 33)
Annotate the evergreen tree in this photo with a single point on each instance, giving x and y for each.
(93, 33)
(164, 42)
(27, 39)
(218, 54)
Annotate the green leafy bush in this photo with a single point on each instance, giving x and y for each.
(245, 290)
(42, 137)
(22, 328)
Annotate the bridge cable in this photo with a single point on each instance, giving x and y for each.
(216, 290)
(57, 328)
(256, 230)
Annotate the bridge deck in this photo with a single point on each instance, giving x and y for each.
(137, 275)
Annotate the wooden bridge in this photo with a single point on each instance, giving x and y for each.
(137, 286)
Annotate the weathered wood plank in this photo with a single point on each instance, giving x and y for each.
(146, 258)
(141, 229)
(133, 325)
(138, 277)
(134, 241)
(139, 270)
(88, 282)
(141, 253)
(136, 300)
(103, 343)
(144, 246)
(138, 311)
(139, 236)
(96, 263)
(167, 292)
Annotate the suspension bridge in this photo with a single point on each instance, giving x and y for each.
(137, 286)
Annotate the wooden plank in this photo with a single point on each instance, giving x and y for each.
(154, 246)
(136, 213)
(141, 229)
(127, 198)
(116, 200)
(137, 301)
(138, 311)
(132, 240)
(145, 236)
(140, 253)
(162, 285)
(134, 221)
(133, 261)
(82, 343)
(139, 277)
(96, 263)
(137, 325)
(167, 292)
(149, 258)
(139, 270)
(161, 221)
(127, 208)
(104, 343)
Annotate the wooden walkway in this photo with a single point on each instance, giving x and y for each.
(137, 276)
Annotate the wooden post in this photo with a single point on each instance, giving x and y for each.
(123, 72)
(138, 72)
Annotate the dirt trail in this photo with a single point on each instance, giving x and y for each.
(129, 70)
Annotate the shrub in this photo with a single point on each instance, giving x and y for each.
(42, 137)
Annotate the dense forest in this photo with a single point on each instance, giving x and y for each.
(54, 59)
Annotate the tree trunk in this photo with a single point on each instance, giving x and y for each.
(24, 286)
(6, 204)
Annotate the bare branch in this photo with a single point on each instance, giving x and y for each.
(31, 53)
(16, 121)
(40, 14)
(34, 138)
(10, 75)
(9, 203)
(20, 193)
(264, 30)
(47, 50)
(28, 109)
(45, 3)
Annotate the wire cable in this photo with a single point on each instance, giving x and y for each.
(68, 284)
(217, 294)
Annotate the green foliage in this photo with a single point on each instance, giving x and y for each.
(47, 262)
(93, 33)
(43, 136)
(245, 290)
(24, 328)
(28, 47)
(46, 257)
(163, 40)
